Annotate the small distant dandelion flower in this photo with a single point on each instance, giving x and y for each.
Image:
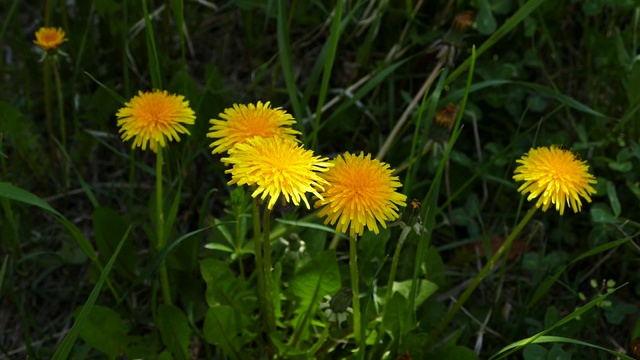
(446, 116)
(464, 20)
(149, 117)
(556, 176)
(276, 166)
(49, 38)
(361, 192)
(244, 122)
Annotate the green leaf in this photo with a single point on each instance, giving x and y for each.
(223, 287)
(108, 228)
(67, 343)
(534, 352)
(425, 289)
(592, 7)
(397, 317)
(226, 327)
(621, 166)
(485, 20)
(601, 213)
(613, 199)
(104, 330)
(317, 278)
(454, 353)
(175, 331)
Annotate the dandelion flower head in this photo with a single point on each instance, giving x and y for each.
(150, 117)
(276, 166)
(244, 122)
(361, 192)
(49, 38)
(554, 176)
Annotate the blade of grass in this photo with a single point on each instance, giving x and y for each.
(7, 19)
(3, 271)
(561, 98)
(113, 94)
(17, 194)
(334, 37)
(284, 48)
(418, 141)
(366, 88)
(560, 339)
(546, 285)
(431, 199)
(513, 347)
(154, 64)
(63, 351)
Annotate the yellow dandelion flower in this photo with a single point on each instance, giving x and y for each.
(361, 191)
(244, 122)
(152, 116)
(556, 176)
(276, 166)
(49, 38)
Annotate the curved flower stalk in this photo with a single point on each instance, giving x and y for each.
(154, 118)
(361, 192)
(554, 176)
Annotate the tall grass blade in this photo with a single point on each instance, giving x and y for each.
(284, 47)
(152, 51)
(328, 65)
(65, 347)
(512, 348)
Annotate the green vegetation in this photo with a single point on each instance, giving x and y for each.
(110, 251)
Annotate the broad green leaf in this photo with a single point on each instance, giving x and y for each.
(425, 289)
(397, 318)
(485, 20)
(534, 352)
(600, 213)
(315, 279)
(226, 327)
(223, 287)
(108, 229)
(454, 353)
(175, 330)
(104, 330)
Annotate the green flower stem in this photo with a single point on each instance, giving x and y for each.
(353, 266)
(63, 125)
(268, 277)
(257, 239)
(164, 278)
(321, 340)
(478, 278)
(48, 102)
(239, 241)
(392, 276)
